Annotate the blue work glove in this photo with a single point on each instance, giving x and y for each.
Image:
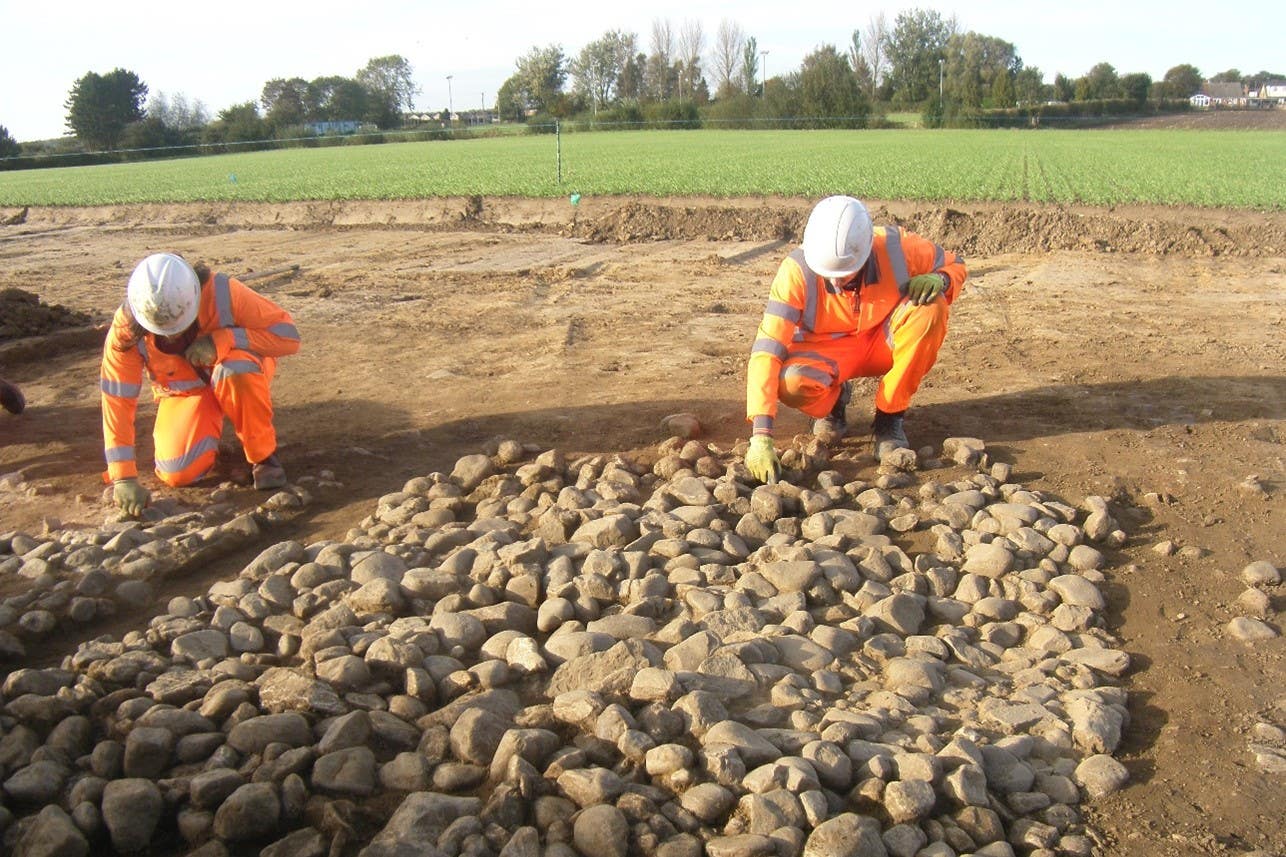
(761, 459)
(130, 496)
(202, 352)
(926, 288)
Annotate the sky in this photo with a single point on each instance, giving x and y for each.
(222, 53)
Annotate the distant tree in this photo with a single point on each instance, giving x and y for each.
(1064, 87)
(875, 49)
(1100, 82)
(1136, 86)
(337, 99)
(1181, 81)
(239, 123)
(828, 89)
(631, 85)
(100, 106)
(9, 147)
(1029, 86)
(541, 74)
(175, 113)
(601, 65)
(1232, 75)
(285, 102)
(661, 78)
(691, 46)
(861, 68)
(1257, 80)
(750, 66)
(390, 87)
(511, 103)
(974, 67)
(914, 49)
(729, 43)
(150, 134)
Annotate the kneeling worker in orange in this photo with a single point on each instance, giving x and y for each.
(853, 301)
(210, 347)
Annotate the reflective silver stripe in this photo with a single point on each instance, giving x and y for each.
(223, 300)
(780, 309)
(760, 425)
(142, 348)
(813, 372)
(820, 358)
(228, 368)
(120, 388)
(239, 338)
(939, 257)
(175, 465)
(809, 320)
(893, 245)
(284, 330)
(764, 345)
(184, 386)
(117, 454)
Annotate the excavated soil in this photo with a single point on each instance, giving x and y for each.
(22, 314)
(1131, 352)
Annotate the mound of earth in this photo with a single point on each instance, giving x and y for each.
(974, 231)
(22, 315)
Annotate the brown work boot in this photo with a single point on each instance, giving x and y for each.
(269, 474)
(11, 397)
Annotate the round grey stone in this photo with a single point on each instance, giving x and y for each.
(602, 830)
(131, 810)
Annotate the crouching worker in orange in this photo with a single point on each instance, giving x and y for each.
(210, 347)
(853, 301)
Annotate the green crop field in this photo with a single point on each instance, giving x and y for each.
(1237, 169)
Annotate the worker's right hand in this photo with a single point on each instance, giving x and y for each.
(131, 497)
(761, 459)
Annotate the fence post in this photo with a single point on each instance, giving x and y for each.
(558, 147)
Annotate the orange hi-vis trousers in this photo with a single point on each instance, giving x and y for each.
(187, 430)
(902, 351)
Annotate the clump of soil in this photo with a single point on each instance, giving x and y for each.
(22, 314)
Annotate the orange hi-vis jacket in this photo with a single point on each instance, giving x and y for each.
(234, 317)
(804, 307)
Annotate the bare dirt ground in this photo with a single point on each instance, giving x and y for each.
(1135, 353)
(1229, 119)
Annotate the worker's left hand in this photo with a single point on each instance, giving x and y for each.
(761, 459)
(925, 288)
(202, 352)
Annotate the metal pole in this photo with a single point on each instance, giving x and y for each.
(558, 146)
(763, 62)
(450, 100)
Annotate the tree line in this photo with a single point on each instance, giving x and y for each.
(922, 61)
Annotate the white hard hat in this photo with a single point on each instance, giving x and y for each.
(163, 294)
(837, 238)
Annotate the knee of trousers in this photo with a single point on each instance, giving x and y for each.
(189, 474)
(796, 390)
(926, 318)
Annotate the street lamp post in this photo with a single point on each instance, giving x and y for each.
(940, 61)
(763, 71)
(450, 101)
